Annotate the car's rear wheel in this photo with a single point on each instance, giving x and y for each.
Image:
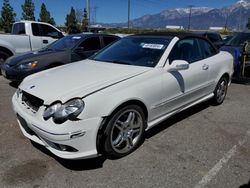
(125, 131)
(220, 91)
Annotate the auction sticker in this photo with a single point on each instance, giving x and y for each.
(153, 46)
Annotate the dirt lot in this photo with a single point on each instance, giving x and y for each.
(205, 146)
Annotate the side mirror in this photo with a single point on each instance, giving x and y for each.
(178, 65)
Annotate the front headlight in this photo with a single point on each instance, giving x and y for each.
(63, 112)
(27, 65)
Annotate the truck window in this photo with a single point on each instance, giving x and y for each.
(18, 29)
(35, 29)
(48, 31)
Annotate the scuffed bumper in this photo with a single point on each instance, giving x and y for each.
(71, 140)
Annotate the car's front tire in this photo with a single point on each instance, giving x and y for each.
(124, 131)
(220, 91)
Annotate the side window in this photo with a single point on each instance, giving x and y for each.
(35, 29)
(19, 29)
(207, 49)
(186, 49)
(109, 40)
(49, 31)
(91, 44)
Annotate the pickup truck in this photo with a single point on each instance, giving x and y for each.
(27, 36)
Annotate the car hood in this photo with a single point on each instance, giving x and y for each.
(29, 56)
(78, 79)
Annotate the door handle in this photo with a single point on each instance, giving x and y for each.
(45, 41)
(205, 67)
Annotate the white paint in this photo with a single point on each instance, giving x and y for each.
(213, 172)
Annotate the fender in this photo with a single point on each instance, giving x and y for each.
(8, 46)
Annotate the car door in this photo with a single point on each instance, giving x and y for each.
(183, 87)
(49, 34)
(86, 48)
(36, 39)
(212, 59)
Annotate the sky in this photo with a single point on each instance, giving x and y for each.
(113, 11)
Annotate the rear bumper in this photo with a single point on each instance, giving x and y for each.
(74, 140)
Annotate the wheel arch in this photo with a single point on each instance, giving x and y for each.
(101, 131)
(227, 76)
(6, 50)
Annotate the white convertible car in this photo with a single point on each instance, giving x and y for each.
(105, 104)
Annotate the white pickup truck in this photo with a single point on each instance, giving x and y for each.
(27, 36)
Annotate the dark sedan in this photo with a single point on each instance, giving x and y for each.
(214, 37)
(69, 49)
(235, 47)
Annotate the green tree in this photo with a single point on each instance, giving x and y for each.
(28, 10)
(248, 23)
(71, 23)
(7, 17)
(85, 22)
(45, 15)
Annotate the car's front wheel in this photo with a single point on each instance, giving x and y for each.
(220, 91)
(125, 131)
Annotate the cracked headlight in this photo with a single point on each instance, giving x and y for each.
(63, 112)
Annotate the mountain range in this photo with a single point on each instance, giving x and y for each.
(233, 17)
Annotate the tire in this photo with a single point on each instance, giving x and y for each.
(220, 91)
(124, 132)
(3, 57)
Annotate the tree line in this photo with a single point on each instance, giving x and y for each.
(72, 22)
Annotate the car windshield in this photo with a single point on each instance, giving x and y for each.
(64, 43)
(238, 39)
(135, 50)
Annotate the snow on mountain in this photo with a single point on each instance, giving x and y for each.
(195, 10)
(234, 16)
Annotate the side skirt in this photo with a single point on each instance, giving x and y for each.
(166, 116)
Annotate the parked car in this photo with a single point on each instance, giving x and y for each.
(227, 38)
(234, 46)
(69, 49)
(27, 36)
(104, 105)
(214, 37)
(236, 42)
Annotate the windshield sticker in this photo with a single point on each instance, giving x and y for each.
(76, 37)
(153, 46)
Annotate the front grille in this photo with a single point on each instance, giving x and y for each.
(32, 101)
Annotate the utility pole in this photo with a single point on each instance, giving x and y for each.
(226, 21)
(94, 14)
(189, 17)
(88, 12)
(128, 14)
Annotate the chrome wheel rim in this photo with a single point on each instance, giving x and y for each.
(126, 131)
(221, 91)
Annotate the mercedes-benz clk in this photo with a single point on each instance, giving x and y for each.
(104, 105)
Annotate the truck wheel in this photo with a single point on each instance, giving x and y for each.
(3, 57)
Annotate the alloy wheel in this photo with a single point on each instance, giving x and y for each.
(126, 131)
